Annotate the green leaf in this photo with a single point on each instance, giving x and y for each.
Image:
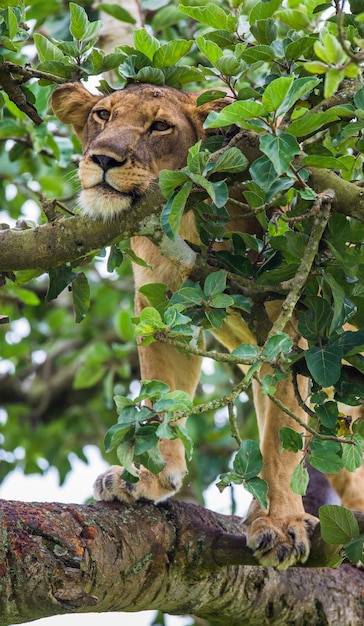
(280, 149)
(218, 191)
(313, 322)
(259, 490)
(172, 213)
(325, 456)
(145, 43)
(253, 54)
(59, 279)
(171, 52)
(276, 93)
(173, 401)
(215, 283)
(280, 343)
(300, 479)
(328, 414)
(210, 49)
(79, 21)
(149, 322)
(235, 114)
(338, 525)
(117, 12)
(47, 51)
(88, 376)
(231, 161)
(169, 181)
(187, 441)
(248, 461)
(324, 364)
(310, 122)
(81, 297)
(290, 439)
(354, 549)
(352, 457)
(125, 454)
(212, 15)
(246, 351)
(115, 434)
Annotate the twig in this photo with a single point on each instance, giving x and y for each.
(323, 203)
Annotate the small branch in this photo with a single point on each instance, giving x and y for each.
(16, 95)
(323, 204)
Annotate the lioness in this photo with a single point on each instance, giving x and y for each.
(128, 137)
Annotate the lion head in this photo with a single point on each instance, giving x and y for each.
(128, 137)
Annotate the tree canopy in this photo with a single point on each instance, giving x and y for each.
(293, 147)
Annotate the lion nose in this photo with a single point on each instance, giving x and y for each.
(106, 162)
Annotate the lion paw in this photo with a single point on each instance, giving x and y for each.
(155, 487)
(281, 543)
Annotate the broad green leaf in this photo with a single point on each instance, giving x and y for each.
(152, 460)
(280, 343)
(172, 213)
(300, 479)
(290, 439)
(152, 75)
(47, 51)
(173, 401)
(246, 351)
(117, 12)
(280, 149)
(81, 297)
(310, 122)
(276, 93)
(115, 434)
(145, 43)
(150, 322)
(333, 78)
(354, 549)
(221, 301)
(215, 283)
(169, 181)
(300, 88)
(324, 364)
(325, 456)
(248, 460)
(218, 191)
(313, 322)
(264, 31)
(187, 441)
(59, 279)
(338, 525)
(263, 172)
(231, 161)
(79, 21)
(236, 113)
(171, 52)
(352, 457)
(259, 490)
(209, 48)
(263, 10)
(212, 15)
(254, 54)
(125, 454)
(328, 414)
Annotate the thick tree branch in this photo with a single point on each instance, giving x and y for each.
(58, 558)
(67, 240)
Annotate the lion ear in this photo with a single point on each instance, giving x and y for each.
(72, 104)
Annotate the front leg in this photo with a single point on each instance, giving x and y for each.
(164, 363)
(280, 536)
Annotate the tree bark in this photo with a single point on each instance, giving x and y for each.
(63, 558)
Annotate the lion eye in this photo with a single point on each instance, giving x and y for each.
(160, 126)
(103, 114)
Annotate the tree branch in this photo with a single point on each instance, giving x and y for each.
(59, 559)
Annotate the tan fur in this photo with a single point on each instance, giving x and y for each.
(128, 137)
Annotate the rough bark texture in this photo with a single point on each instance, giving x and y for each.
(67, 240)
(59, 559)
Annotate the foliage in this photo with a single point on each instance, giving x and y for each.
(293, 70)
